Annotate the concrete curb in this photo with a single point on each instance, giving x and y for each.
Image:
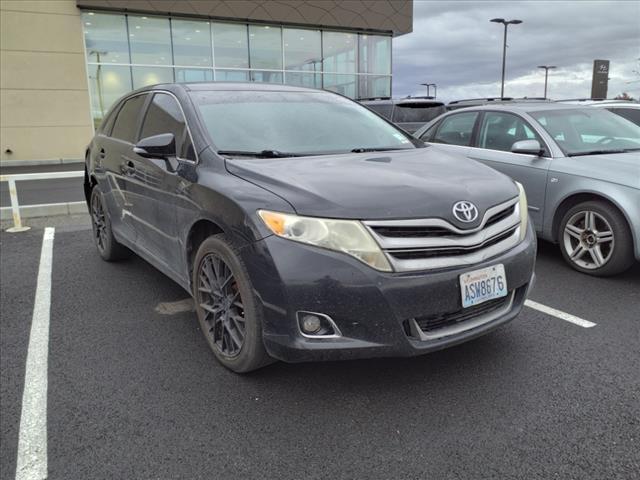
(45, 210)
(32, 163)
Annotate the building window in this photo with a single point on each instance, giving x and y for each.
(193, 74)
(107, 83)
(143, 76)
(375, 54)
(342, 84)
(265, 47)
(339, 51)
(105, 38)
(374, 86)
(302, 50)
(150, 40)
(131, 51)
(230, 45)
(191, 43)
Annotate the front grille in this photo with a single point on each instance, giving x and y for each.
(434, 243)
(448, 251)
(434, 322)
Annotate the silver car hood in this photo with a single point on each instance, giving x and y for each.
(620, 168)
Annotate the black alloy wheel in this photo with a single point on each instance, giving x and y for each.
(220, 298)
(229, 313)
(108, 247)
(99, 222)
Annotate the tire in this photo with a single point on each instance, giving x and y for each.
(595, 239)
(226, 306)
(108, 247)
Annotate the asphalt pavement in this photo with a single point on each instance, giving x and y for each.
(135, 393)
(37, 192)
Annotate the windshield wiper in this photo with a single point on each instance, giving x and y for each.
(596, 152)
(381, 149)
(261, 154)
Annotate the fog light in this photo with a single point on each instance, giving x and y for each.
(311, 324)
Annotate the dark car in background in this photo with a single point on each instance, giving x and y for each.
(408, 113)
(305, 226)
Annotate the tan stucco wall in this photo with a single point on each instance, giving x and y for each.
(44, 98)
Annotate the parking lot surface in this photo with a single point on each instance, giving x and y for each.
(134, 392)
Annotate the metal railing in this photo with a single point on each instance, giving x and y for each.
(11, 179)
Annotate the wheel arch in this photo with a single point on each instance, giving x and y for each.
(580, 197)
(200, 230)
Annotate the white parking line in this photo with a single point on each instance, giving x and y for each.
(559, 314)
(32, 439)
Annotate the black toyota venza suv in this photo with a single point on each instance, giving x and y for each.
(305, 226)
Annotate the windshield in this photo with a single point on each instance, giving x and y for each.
(293, 123)
(416, 112)
(587, 131)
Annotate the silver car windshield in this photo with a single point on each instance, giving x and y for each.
(589, 131)
(278, 123)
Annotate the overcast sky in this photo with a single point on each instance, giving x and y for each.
(454, 45)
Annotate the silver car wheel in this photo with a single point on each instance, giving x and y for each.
(588, 240)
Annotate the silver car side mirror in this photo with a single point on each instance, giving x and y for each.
(527, 147)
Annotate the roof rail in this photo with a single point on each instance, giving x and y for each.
(487, 99)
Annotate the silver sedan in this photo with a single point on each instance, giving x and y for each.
(580, 168)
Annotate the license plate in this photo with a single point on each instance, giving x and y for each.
(482, 285)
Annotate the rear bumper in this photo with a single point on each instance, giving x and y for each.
(372, 309)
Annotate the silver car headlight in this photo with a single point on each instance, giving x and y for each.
(348, 236)
(524, 211)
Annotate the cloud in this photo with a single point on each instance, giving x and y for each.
(454, 45)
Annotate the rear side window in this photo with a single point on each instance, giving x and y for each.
(631, 114)
(127, 119)
(456, 129)
(165, 116)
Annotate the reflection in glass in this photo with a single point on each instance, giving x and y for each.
(302, 50)
(339, 50)
(232, 75)
(107, 83)
(266, 77)
(374, 86)
(143, 76)
(309, 80)
(150, 40)
(191, 43)
(230, 45)
(375, 54)
(342, 84)
(105, 37)
(193, 74)
(265, 47)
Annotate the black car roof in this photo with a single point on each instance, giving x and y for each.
(227, 86)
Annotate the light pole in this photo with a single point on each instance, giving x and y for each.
(506, 24)
(435, 89)
(546, 75)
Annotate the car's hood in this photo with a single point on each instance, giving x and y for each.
(416, 183)
(621, 168)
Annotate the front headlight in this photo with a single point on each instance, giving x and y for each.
(524, 211)
(348, 236)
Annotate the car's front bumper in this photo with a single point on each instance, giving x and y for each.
(370, 308)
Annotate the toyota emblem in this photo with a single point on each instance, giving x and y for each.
(465, 211)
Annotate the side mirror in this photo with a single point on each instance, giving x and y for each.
(161, 146)
(527, 147)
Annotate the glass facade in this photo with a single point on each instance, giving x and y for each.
(125, 52)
